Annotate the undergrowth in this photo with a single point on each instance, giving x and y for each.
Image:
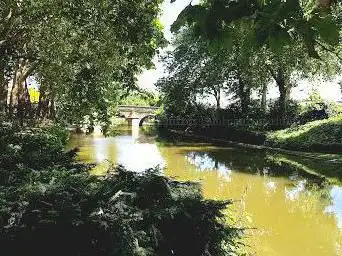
(50, 205)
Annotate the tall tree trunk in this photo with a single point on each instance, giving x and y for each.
(21, 101)
(245, 97)
(19, 92)
(27, 99)
(284, 87)
(40, 103)
(46, 106)
(264, 98)
(3, 90)
(217, 95)
(52, 109)
(13, 93)
(218, 104)
(282, 98)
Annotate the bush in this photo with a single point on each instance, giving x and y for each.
(316, 108)
(33, 148)
(50, 206)
(233, 134)
(323, 135)
(58, 212)
(291, 114)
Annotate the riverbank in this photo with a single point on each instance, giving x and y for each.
(337, 158)
(327, 165)
(323, 137)
(317, 136)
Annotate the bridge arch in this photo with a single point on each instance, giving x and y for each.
(142, 120)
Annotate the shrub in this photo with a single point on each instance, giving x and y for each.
(62, 213)
(322, 135)
(34, 148)
(316, 108)
(291, 114)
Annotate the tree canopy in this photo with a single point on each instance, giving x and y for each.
(275, 22)
(85, 54)
(240, 47)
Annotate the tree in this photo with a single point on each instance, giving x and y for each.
(276, 23)
(198, 68)
(288, 33)
(141, 98)
(193, 71)
(83, 53)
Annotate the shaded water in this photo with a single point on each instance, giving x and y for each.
(291, 215)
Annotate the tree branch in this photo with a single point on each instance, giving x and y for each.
(273, 74)
(329, 50)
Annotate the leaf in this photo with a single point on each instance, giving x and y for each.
(308, 36)
(327, 28)
(189, 15)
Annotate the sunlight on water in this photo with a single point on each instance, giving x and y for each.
(137, 156)
(291, 216)
(133, 152)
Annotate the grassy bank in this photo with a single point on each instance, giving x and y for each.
(323, 136)
(318, 136)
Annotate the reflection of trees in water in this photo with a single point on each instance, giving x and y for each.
(249, 161)
(306, 189)
(335, 207)
(204, 162)
(289, 212)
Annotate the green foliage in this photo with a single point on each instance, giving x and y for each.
(56, 207)
(141, 98)
(32, 148)
(316, 108)
(84, 54)
(250, 44)
(276, 23)
(200, 73)
(322, 135)
(292, 111)
(123, 213)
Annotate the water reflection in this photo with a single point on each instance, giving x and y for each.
(294, 192)
(292, 216)
(135, 153)
(204, 162)
(137, 156)
(336, 204)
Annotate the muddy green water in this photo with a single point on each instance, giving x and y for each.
(291, 216)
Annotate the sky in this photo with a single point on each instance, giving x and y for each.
(170, 13)
(328, 90)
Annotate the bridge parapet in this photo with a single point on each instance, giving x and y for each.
(139, 109)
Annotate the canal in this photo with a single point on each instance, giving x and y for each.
(289, 212)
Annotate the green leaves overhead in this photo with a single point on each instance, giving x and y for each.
(327, 28)
(190, 14)
(111, 41)
(276, 22)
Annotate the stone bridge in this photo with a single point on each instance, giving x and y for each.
(136, 115)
